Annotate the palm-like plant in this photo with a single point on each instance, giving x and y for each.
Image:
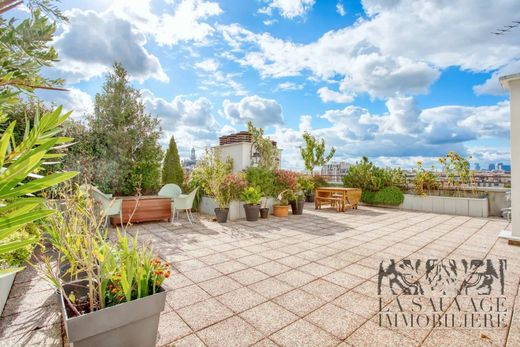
(19, 163)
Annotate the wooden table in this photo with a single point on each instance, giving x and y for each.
(149, 208)
(344, 197)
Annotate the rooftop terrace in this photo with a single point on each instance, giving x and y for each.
(309, 280)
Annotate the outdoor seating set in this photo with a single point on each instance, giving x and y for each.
(163, 206)
(337, 197)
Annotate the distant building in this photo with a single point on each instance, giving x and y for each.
(506, 168)
(240, 148)
(500, 167)
(189, 163)
(335, 171)
(477, 167)
(491, 167)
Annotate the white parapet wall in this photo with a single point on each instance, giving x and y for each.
(471, 207)
(236, 208)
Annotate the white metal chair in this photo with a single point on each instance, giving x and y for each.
(184, 202)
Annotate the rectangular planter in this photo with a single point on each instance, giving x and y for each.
(236, 208)
(131, 324)
(471, 207)
(6, 282)
(149, 209)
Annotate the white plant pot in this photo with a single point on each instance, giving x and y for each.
(6, 282)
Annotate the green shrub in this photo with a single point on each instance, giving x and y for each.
(367, 176)
(392, 196)
(262, 179)
(21, 255)
(306, 184)
(251, 196)
(319, 181)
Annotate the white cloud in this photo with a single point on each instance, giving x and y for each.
(226, 130)
(187, 23)
(75, 100)
(328, 95)
(222, 84)
(288, 8)
(289, 86)
(91, 42)
(208, 65)
(450, 124)
(262, 112)
(180, 111)
(340, 9)
(492, 85)
(400, 48)
(190, 121)
(403, 134)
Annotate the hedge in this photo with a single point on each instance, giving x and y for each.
(392, 196)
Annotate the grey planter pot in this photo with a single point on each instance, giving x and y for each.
(131, 324)
(252, 212)
(221, 214)
(6, 282)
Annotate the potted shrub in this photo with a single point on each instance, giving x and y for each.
(307, 185)
(297, 202)
(229, 189)
(251, 198)
(119, 297)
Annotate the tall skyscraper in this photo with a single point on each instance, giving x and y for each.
(477, 167)
(491, 167)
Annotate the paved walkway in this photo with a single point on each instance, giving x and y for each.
(307, 280)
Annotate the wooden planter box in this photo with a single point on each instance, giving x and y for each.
(149, 209)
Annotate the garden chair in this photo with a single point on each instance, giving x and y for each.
(184, 202)
(170, 190)
(109, 206)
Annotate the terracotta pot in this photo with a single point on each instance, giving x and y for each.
(264, 212)
(221, 214)
(252, 212)
(280, 210)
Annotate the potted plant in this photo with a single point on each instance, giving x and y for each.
(282, 208)
(307, 186)
(251, 198)
(118, 299)
(297, 201)
(264, 210)
(286, 183)
(229, 189)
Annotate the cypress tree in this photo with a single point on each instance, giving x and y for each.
(172, 170)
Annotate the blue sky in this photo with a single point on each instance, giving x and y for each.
(395, 80)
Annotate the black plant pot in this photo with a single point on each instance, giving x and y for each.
(221, 214)
(252, 212)
(297, 206)
(309, 197)
(264, 212)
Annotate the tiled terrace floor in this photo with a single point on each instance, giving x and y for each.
(307, 280)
